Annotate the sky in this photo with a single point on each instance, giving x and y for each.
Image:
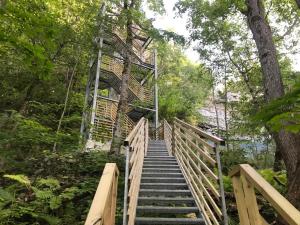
(171, 21)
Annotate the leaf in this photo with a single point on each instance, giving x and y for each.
(52, 183)
(43, 194)
(69, 193)
(55, 202)
(5, 195)
(22, 179)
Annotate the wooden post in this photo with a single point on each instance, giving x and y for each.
(103, 207)
(250, 201)
(221, 186)
(240, 200)
(173, 138)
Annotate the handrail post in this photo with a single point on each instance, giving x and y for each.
(221, 186)
(127, 150)
(173, 138)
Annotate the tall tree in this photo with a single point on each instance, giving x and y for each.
(133, 14)
(123, 102)
(220, 23)
(289, 143)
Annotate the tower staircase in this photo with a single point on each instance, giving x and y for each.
(106, 73)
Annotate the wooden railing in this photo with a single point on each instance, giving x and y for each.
(106, 113)
(168, 136)
(136, 148)
(246, 183)
(198, 156)
(103, 208)
(115, 66)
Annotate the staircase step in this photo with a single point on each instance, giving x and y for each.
(168, 221)
(161, 166)
(160, 163)
(160, 160)
(162, 180)
(158, 154)
(165, 170)
(165, 201)
(165, 193)
(169, 186)
(166, 209)
(151, 174)
(149, 154)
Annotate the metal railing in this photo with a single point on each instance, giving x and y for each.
(198, 156)
(103, 208)
(136, 148)
(246, 183)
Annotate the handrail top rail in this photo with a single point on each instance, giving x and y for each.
(211, 137)
(101, 197)
(134, 131)
(281, 204)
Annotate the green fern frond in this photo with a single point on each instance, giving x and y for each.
(20, 178)
(51, 183)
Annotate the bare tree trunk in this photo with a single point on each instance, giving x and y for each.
(65, 103)
(288, 143)
(123, 102)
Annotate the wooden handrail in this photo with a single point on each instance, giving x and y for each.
(198, 156)
(136, 148)
(103, 208)
(245, 181)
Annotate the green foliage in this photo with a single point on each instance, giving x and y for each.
(283, 113)
(183, 85)
(57, 195)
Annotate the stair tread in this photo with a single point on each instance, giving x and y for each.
(166, 198)
(178, 221)
(167, 209)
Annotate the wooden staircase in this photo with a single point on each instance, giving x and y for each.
(164, 196)
(112, 70)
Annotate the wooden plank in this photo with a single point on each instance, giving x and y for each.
(240, 200)
(102, 199)
(212, 188)
(203, 152)
(281, 205)
(195, 135)
(201, 132)
(250, 201)
(203, 165)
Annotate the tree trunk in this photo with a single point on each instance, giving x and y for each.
(123, 102)
(298, 3)
(65, 103)
(288, 143)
